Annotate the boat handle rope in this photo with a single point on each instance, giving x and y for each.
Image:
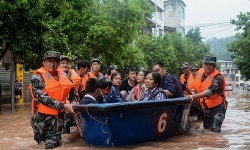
(103, 123)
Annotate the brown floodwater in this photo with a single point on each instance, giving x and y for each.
(16, 132)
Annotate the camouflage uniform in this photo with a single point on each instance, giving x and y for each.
(213, 117)
(47, 128)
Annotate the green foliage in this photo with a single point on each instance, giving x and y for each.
(85, 29)
(108, 29)
(194, 35)
(240, 48)
(172, 50)
(219, 47)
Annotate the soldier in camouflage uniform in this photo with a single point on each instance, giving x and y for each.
(68, 118)
(212, 94)
(47, 125)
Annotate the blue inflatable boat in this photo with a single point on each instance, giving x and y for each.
(117, 124)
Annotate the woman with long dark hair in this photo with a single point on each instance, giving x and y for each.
(138, 91)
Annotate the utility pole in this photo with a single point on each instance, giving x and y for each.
(12, 71)
(156, 15)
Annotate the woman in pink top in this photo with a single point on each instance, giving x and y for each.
(137, 92)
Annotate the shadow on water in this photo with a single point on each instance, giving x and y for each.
(235, 133)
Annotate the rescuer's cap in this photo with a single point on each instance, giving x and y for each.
(95, 60)
(184, 65)
(195, 67)
(209, 60)
(51, 54)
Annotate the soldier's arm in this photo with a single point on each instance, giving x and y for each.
(38, 85)
(215, 87)
(73, 96)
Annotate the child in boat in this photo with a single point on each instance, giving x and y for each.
(153, 91)
(92, 90)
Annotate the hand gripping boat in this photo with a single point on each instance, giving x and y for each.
(117, 124)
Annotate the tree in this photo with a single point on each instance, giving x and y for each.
(240, 48)
(85, 29)
(158, 49)
(219, 47)
(194, 35)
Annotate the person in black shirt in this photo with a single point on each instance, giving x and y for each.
(128, 83)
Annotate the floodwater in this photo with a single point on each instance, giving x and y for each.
(16, 132)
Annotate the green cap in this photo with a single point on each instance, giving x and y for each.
(95, 60)
(111, 67)
(209, 60)
(184, 65)
(195, 67)
(51, 54)
(64, 57)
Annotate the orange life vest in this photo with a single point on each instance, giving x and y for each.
(76, 78)
(197, 80)
(92, 75)
(84, 80)
(108, 76)
(215, 99)
(190, 81)
(57, 90)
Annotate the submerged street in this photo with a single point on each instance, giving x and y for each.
(16, 132)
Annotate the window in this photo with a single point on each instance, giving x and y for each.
(182, 12)
(171, 14)
(160, 15)
(160, 32)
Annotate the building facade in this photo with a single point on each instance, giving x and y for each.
(174, 15)
(231, 73)
(169, 16)
(155, 25)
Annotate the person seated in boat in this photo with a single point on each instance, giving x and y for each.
(129, 83)
(115, 96)
(105, 88)
(92, 91)
(106, 85)
(169, 83)
(153, 91)
(137, 92)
